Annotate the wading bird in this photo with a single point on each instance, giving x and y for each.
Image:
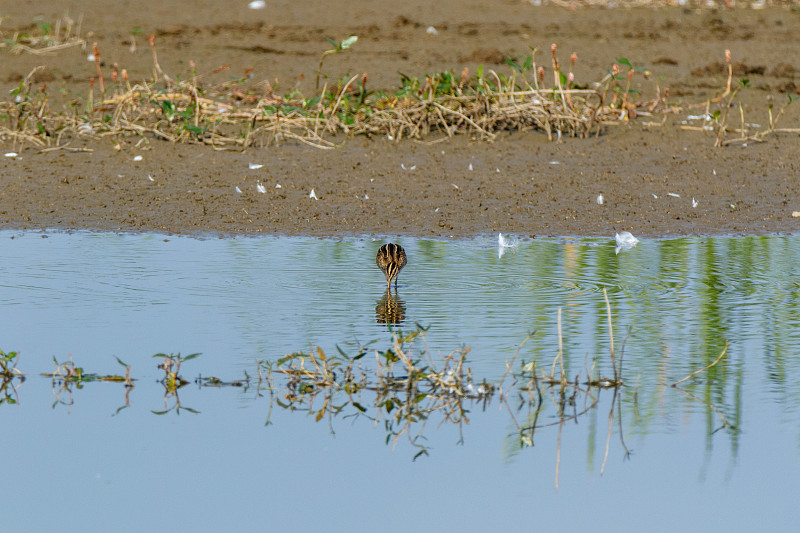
(391, 259)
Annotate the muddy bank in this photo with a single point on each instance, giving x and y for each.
(521, 183)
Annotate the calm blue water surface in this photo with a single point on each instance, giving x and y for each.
(720, 453)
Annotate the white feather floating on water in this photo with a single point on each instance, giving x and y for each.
(138, 158)
(625, 241)
(673, 195)
(150, 177)
(599, 199)
(257, 4)
(238, 190)
(260, 188)
(504, 243)
(694, 203)
(254, 166)
(313, 195)
(10, 154)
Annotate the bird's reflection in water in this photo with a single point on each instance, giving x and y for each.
(390, 309)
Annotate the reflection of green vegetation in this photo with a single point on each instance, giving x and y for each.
(685, 299)
(67, 375)
(171, 365)
(173, 381)
(10, 377)
(8, 365)
(406, 389)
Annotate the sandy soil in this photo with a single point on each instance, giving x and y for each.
(521, 183)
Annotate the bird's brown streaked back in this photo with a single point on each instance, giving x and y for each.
(391, 259)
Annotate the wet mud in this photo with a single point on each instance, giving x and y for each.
(656, 177)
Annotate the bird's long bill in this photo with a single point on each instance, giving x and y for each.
(391, 273)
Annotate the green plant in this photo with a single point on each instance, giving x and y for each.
(68, 372)
(8, 365)
(171, 365)
(337, 47)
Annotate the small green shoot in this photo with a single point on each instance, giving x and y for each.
(171, 365)
(8, 365)
(337, 47)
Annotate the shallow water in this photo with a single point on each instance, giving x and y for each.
(720, 452)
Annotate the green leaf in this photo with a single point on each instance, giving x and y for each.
(191, 356)
(120, 362)
(359, 407)
(624, 61)
(193, 129)
(528, 63)
(423, 451)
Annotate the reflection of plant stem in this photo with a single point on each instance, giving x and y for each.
(710, 404)
(560, 356)
(619, 421)
(511, 363)
(704, 368)
(558, 451)
(608, 434)
(611, 335)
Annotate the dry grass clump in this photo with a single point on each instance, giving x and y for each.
(235, 115)
(224, 115)
(44, 37)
